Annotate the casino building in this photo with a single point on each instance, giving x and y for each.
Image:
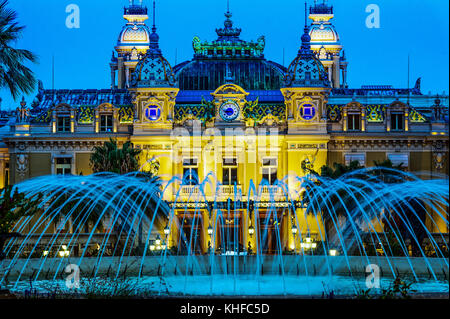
(279, 117)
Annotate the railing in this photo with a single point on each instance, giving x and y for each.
(230, 189)
(321, 9)
(272, 190)
(135, 10)
(188, 190)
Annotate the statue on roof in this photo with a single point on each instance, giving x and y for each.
(22, 112)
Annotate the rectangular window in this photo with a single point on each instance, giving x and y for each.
(63, 124)
(354, 122)
(63, 166)
(361, 158)
(106, 123)
(269, 170)
(190, 172)
(398, 159)
(230, 172)
(397, 122)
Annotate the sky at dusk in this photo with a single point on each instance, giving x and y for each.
(376, 56)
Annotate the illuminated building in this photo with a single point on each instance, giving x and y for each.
(230, 85)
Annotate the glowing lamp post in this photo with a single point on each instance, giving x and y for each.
(210, 230)
(251, 230)
(167, 230)
(294, 230)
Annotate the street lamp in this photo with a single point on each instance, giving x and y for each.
(294, 230)
(210, 230)
(251, 230)
(158, 241)
(167, 230)
(333, 252)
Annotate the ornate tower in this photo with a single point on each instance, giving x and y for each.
(133, 43)
(154, 89)
(326, 44)
(306, 90)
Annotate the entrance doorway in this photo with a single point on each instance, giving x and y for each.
(271, 233)
(191, 230)
(230, 235)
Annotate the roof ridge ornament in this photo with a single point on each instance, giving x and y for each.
(228, 32)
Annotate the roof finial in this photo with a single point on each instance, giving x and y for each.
(228, 5)
(154, 14)
(154, 37)
(306, 14)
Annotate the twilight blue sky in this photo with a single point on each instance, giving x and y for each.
(376, 56)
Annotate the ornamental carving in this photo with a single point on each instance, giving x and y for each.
(22, 164)
(439, 161)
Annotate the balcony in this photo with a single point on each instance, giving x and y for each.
(267, 190)
(189, 190)
(225, 190)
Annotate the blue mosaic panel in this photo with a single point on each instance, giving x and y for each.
(416, 117)
(126, 114)
(334, 112)
(44, 117)
(375, 113)
(183, 111)
(85, 115)
(263, 110)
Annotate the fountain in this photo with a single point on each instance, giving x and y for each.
(119, 227)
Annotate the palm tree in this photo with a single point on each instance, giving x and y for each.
(339, 199)
(14, 74)
(111, 158)
(336, 200)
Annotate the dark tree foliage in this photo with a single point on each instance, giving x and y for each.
(13, 206)
(14, 74)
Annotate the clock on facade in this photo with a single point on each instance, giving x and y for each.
(152, 113)
(307, 111)
(229, 111)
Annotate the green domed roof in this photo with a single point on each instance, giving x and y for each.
(244, 60)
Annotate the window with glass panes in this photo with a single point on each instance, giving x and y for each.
(354, 122)
(397, 122)
(63, 166)
(230, 171)
(190, 171)
(269, 170)
(106, 123)
(63, 124)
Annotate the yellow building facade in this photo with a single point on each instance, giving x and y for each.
(231, 132)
